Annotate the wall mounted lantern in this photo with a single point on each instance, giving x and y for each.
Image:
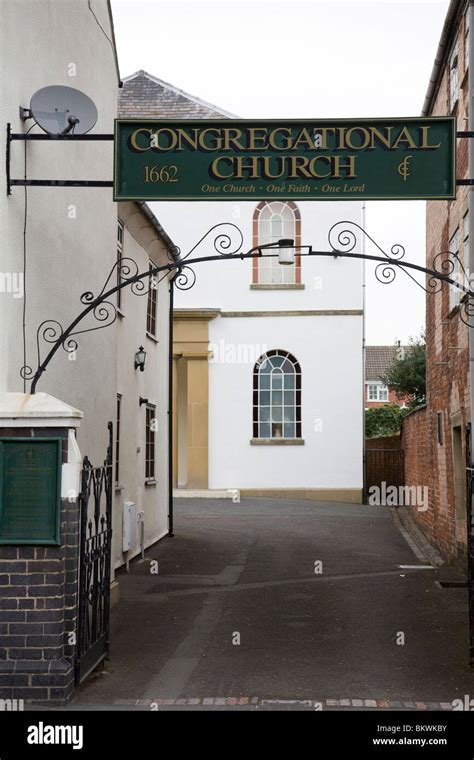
(140, 358)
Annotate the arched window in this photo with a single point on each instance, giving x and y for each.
(277, 396)
(271, 222)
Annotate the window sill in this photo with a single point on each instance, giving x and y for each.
(283, 286)
(152, 337)
(151, 482)
(277, 441)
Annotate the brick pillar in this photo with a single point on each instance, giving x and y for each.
(38, 583)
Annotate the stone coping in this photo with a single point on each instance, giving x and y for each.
(36, 410)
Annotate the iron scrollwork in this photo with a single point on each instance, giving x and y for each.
(227, 242)
(447, 265)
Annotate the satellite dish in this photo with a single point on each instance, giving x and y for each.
(59, 110)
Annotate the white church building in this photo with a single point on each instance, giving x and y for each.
(268, 358)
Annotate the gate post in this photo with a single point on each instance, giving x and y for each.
(39, 534)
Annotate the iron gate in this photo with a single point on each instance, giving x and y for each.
(384, 466)
(94, 564)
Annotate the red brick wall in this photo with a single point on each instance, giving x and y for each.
(447, 358)
(415, 441)
(430, 463)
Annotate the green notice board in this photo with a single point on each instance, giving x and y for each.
(30, 490)
(235, 159)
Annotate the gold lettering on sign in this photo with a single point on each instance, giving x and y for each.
(403, 168)
(267, 167)
(204, 145)
(324, 132)
(404, 137)
(169, 134)
(281, 139)
(272, 138)
(133, 139)
(424, 139)
(232, 139)
(360, 131)
(191, 140)
(249, 165)
(314, 173)
(215, 167)
(348, 166)
(256, 135)
(301, 153)
(299, 167)
(305, 139)
(384, 139)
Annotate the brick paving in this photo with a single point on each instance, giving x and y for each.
(314, 703)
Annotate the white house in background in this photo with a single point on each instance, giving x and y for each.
(268, 359)
(378, 360)
(74, 236)
(284, 363)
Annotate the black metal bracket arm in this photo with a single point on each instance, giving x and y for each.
(98, 183)
(91, 138)
(11, 136)
(60, 183)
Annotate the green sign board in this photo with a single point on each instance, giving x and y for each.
(234, 159)
(30, 490)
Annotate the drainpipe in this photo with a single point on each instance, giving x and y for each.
(170, 408)
(455, 6)
(470, 191)
(364, 452)
(470, 195)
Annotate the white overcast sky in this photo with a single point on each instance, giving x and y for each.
(297, 59)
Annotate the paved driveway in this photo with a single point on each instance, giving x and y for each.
(269, 601)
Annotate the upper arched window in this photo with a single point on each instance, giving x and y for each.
(277, 396)
(271, 222)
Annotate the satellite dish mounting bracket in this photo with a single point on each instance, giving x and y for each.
(63, 113)
(25, 113)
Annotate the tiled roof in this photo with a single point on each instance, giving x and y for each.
(378, 359)
(143, 95)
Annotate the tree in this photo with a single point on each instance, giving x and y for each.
(384, 420)
(407, 375)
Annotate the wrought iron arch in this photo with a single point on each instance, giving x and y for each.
(227, 241)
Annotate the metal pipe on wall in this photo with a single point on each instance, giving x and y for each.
(470, 267)
(170, 408)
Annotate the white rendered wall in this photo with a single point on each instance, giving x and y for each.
(72, 247)
(71, 232)
(329, 283)
(329, 350)
(151, 384)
